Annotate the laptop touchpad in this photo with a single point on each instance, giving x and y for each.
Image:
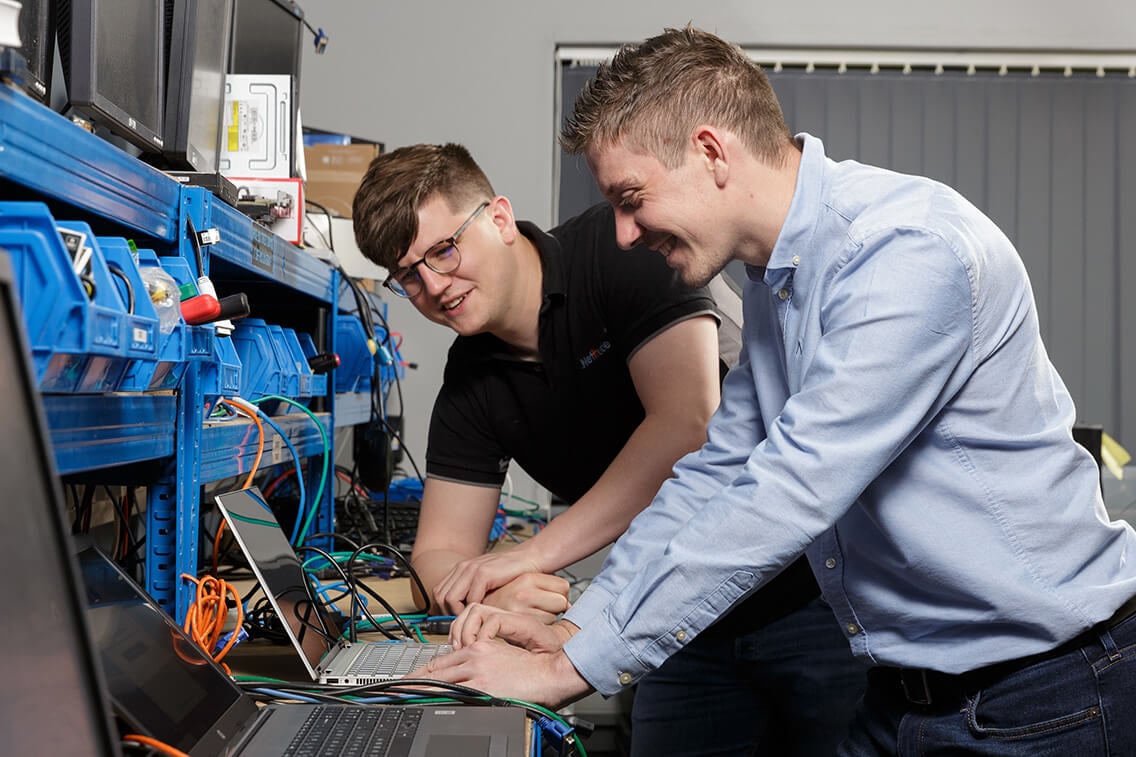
(454, 745)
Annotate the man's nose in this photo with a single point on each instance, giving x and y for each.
(433, 282)
(628, 233)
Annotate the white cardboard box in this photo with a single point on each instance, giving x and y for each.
(258, 122)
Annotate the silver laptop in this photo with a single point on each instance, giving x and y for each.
(311, 627)
(165, 687)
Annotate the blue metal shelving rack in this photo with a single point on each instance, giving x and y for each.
(44, 156)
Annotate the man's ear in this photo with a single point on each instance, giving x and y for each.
(501, 211)
(710, 146)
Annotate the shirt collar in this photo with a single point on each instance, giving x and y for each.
(551, 262)
(804, 212)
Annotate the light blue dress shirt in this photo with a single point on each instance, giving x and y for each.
(896, 418)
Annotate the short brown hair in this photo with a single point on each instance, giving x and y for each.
(652, 95)
(398, 183)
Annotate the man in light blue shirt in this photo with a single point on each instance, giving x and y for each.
(894, 417)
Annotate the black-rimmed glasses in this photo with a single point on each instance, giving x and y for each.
(444, 257)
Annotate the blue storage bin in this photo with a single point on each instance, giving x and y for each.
(137, 339)
(303, 370)
(173, 348)
(289, 372)
(199, 340)
(230, 369)
(76, 341)
(308, 349)
(141, 336)
(355, 359)
(260, 368)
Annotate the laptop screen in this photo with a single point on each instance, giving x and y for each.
(159, 680)
(279, 571)
(53, 700)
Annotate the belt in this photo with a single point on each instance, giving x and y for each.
(924, 687)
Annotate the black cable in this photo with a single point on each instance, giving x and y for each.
(399, 557)
(298, 688)
(316, 229)
(333, 536)
(131, 542)
(330, 239)
(115, 270)
(395, 615)
(483, 697)
(356, 604)
(362, 305)
(196, 244)
(82, 521)
(317, 34)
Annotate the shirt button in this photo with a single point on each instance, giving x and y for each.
(852, 629)
(796, 260)
(830, 563)
(783, 294)
(625, 678)
(681, 636)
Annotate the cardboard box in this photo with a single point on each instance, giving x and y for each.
(334, 174)
(258, 126)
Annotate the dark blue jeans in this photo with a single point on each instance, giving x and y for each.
(1080, 704)
(786, 690)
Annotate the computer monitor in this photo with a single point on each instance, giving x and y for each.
(114, 65)
(37, 45)
(198, 35)
(53, 700)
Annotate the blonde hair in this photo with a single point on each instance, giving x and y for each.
(652, 95)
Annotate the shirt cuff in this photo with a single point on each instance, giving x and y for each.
(588, 607)
(600, 655)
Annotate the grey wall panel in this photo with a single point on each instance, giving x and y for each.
(1124, 150)
(1046, 155)
(1102, 253)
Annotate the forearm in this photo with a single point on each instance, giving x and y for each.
(432, 567)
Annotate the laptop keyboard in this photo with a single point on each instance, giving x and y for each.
(346, 731)
(395, 659)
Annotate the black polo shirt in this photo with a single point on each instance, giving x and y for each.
(565, 417)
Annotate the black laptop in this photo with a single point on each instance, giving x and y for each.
(53, 701)
(167, 688)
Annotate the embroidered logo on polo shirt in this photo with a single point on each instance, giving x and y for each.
(595, 353)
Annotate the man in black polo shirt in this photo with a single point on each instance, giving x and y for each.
(594, 369)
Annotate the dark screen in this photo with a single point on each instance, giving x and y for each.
(158, 678)
(37, 45)
(199, 37)
(278, 568)
(114, 65)
(52, 701)
(267, 37)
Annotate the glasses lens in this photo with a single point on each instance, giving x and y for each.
(404, 283)
(444, 259)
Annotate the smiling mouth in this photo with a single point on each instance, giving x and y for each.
(665, 247)
(451, 305)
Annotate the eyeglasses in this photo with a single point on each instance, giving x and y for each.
(444, 257)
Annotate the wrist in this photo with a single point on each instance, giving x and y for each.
(568, 684)
(529, 556)
(565, 629)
